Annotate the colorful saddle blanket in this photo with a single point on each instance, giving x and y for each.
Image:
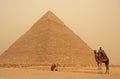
(102, 56)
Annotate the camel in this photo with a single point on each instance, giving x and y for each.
(100, 60)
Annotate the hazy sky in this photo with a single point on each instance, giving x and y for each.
(97, 22)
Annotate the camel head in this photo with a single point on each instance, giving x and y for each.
(95, 51)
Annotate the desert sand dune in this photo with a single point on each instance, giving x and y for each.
(20, 73)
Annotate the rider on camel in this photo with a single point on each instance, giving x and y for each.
(102, 53)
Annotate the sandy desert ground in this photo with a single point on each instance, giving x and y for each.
(63, 73)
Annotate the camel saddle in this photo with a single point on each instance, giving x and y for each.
(102, 57)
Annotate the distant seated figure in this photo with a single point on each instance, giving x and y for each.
(53, 67)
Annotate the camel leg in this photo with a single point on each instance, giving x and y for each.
(99, 68)
(107, 67)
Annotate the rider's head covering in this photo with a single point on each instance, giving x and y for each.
(100, 47)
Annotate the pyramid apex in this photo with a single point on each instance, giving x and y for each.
(49, 15)
(49, 12)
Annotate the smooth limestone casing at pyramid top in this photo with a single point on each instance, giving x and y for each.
(49, 41)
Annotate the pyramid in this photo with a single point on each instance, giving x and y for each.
(48, 41)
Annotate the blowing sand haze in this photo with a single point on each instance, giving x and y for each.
(50, 41)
